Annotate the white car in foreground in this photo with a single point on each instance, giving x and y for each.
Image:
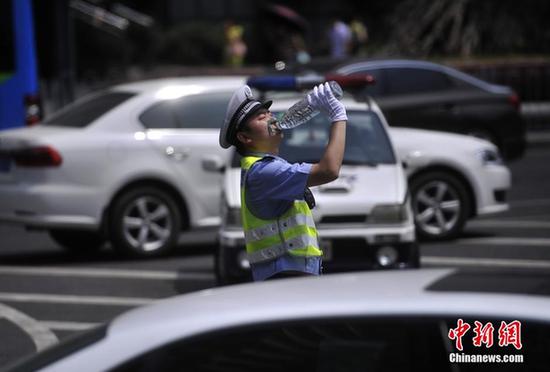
(377, 321)
(363, 218)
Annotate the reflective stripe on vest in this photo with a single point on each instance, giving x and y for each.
(293, 232)
(271, 229)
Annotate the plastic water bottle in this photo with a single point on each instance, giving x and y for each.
(301, 111)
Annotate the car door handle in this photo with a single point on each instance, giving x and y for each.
(176, 154)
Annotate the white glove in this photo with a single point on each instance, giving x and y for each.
(323, 100)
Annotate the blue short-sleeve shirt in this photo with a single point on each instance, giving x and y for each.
(272, 185)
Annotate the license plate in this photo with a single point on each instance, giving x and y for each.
(326, 247)
(5, 164)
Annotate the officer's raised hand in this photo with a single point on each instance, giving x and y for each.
(323, 100)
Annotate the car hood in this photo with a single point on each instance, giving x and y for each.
(406, 140)
(357, 190)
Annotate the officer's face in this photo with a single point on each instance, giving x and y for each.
(256, 133)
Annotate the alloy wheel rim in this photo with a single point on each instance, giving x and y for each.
(437, 208)
(147, 223)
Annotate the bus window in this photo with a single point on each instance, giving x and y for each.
(7, 61)
(19, 92)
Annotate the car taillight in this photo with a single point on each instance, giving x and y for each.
(514, 100)
(40, 156)
(33, 110)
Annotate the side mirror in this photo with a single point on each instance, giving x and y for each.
(213, 163)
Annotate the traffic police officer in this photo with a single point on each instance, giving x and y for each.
(280, 234)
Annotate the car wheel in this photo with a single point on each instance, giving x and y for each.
(440, 205)
(144, 222)
(78, 241)
(227, 267)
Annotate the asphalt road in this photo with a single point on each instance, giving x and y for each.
(47, 295)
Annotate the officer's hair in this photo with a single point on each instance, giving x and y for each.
(241, 150)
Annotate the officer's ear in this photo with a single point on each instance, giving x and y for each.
(244, 138)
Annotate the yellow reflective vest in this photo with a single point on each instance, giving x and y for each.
(293, 232)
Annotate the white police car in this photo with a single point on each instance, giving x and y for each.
(364, 218)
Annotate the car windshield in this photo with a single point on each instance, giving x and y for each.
(367, 142)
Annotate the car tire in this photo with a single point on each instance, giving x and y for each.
(226, 266)
(144, 222)
(440, 204)
(78, 241)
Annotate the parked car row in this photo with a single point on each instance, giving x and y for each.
(127, 164)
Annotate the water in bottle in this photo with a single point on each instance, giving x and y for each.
(301, 112)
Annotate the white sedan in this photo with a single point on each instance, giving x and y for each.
(415, 320)
(126, 164)
(452, 178)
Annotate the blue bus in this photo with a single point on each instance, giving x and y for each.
(19, 90)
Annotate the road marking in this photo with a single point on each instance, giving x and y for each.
(68, 326)
(534, 242)
(79, 300)
(520, 224)
(41, 336)
(485, 262)
(103, 273)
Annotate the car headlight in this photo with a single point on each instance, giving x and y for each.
(489, 157)
(391, 213)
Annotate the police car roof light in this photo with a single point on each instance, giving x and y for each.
(291, 82)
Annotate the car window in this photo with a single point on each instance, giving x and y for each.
(160, 116)
(318, 345)
(367, 142)
(414, 80)
(84, 112)
(195, 111)
(461, 84)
